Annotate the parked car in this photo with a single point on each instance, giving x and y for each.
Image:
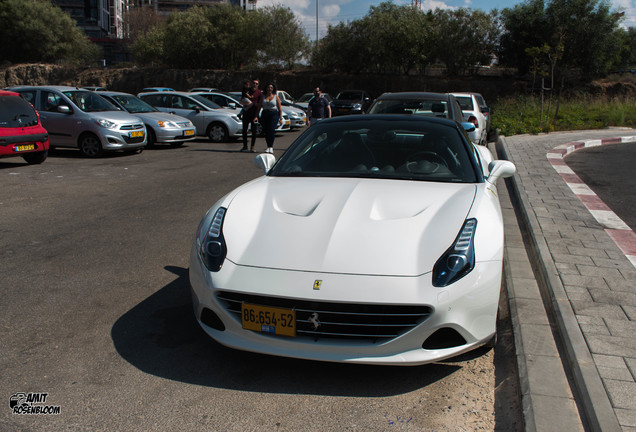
(162, 127)
(485, 110)
(303, 101)
(21, 132)
(350, 102)
(203, 89)
(210, 120)
(472, 113)
(442, 105)
(297, 116)
(297, 263)
(79, 118)
(230, 100)
(156, 89)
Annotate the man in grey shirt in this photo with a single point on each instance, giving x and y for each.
(318, 108)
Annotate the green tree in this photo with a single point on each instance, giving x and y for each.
(37, 31)
(281, 38)
(586, 29)
(465, 38)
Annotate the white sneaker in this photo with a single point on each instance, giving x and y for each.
(269, 150)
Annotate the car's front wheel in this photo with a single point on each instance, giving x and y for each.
(35, 158)
(217, 132)
(90, 146)
(151, 137)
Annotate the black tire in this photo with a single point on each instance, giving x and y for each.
(90, 146)
(35, 158)
(151, 137)
(217, 132)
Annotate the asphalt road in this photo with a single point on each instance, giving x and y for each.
(95, 311)
(609, 171)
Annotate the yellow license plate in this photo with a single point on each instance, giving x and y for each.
(188, 132)
(136, 134)
(267, 319)
(25, 147)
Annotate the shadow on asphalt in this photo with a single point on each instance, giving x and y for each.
(161, 337)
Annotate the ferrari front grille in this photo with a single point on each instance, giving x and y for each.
(348, 321)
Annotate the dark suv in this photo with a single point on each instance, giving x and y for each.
(21, 133)
(350, 102)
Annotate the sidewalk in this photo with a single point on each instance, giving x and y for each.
(571, 287)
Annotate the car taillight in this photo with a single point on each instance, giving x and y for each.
(473, 120)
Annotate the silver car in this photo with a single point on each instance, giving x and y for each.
(162, 127)
(80, 118)
(210, 119)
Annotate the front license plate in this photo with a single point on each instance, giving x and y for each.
(189, 132)
(136, 134)
(25, 147)
(267, 319)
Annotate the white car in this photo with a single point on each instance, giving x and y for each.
(374, 239)
(470, 107)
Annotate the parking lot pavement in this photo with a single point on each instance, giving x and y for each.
(572, 287)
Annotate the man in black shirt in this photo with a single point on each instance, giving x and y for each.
(318, 108)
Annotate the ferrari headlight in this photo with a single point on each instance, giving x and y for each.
(459, 259)
(212, 249)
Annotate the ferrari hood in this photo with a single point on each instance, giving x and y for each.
(353, 226)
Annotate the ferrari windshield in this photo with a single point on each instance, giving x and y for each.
(388, 147)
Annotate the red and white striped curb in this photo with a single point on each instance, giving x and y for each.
(618, 230)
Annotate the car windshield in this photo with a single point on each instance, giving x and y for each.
(466, 103)
(349, 95)
(16, 112)
(423, 107)
(305, 98)
(402, 148)
(205, 101)
(89, 101)
(133, 104)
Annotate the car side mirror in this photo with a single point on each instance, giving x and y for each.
(232, 105)
(265, 161)
(64, 109)
(500, 169)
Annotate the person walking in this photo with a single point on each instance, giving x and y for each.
(250, 114)
(271, 116)
(318, 108)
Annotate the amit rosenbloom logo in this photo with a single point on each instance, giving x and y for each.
(32, 404)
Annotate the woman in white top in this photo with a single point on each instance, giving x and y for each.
(271, 115)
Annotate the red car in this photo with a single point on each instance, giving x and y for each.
(21, 132)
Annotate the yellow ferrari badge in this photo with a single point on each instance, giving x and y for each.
(317, 284)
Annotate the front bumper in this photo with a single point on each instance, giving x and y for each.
(468, 308)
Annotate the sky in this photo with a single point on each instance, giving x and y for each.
(334, 11)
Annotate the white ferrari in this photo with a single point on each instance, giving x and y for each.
(374, 239)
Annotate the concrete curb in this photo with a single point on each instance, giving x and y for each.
(588, 390)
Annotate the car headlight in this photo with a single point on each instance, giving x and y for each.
(106, 124)
(212, 249)
(167, 124)
(459, 259)
(357, 106)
